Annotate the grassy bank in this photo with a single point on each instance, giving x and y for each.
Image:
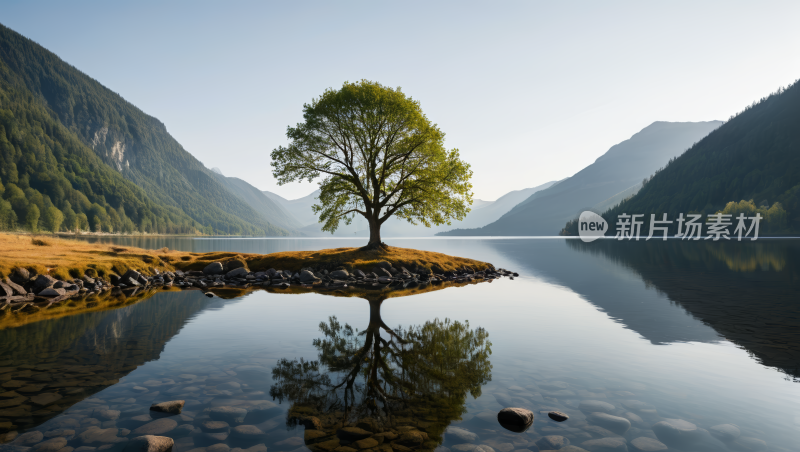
(65, 258)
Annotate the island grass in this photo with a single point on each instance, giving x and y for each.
(69, 258)
(66, 259)
(330, 259)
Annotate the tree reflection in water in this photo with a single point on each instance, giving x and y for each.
(394, 392)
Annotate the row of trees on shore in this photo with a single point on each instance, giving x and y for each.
(50, 181)
(32, 211)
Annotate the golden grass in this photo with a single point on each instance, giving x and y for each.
(67, 258)
(348, 258)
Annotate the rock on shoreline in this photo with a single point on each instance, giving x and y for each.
(23, 292)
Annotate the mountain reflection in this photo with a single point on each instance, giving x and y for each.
(70, 358)
(747, 292)
(403, 388)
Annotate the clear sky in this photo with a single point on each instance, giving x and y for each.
(528, 91)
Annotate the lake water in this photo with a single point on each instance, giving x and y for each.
(650, 332)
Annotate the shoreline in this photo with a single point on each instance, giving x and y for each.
(52, 274)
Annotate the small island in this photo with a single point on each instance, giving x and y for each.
(52, 276)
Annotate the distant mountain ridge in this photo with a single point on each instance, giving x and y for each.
(482, 213)
(135, 145)
(299, 208)
(269, 209)
(753, 156)
(617, 171)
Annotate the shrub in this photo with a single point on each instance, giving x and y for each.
(39, 242)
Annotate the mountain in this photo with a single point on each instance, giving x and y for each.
(137, 146)
(491, 211)
(619, 170)
(268, 209)
(482, 213)
(299, 208)
(99, 347)
(50, 180)
(753, 156)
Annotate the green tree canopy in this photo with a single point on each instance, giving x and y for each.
(53, 219)
(32, 217)
(378, 155)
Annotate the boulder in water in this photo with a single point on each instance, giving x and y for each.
(515, 419)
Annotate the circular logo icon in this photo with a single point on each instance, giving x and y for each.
(591, 226)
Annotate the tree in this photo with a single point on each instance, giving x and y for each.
(8, 218)
(53, 219)
(32, 217)
(70, 218)
(378, 155)
(81, 222)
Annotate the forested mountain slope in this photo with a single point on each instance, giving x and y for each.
(754, 156)
(622, 167)
(136, 145)
(50, 180)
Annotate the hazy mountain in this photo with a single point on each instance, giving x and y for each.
(269, 209)
(135, 145)
(299, 208)
(492, 210)
(618, 170)
(754, 156)
(482, 213)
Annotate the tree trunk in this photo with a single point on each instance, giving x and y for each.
(375, 320)
(374, 234)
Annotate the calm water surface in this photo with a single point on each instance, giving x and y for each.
(702, 332)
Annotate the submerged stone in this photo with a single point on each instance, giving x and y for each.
(157, 427)
(606, 445)
(552, 442)
(616, 424)
(457, 434)
(645, 444)
(171, 407)
(677, 433)
(51, 445)
(229, 414)
(595, 406)
(725, 432)
(149, 443)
